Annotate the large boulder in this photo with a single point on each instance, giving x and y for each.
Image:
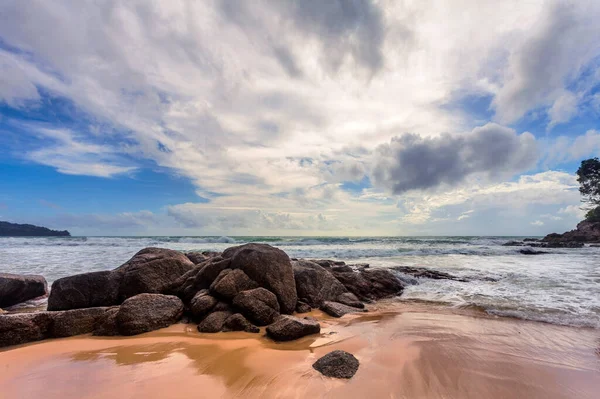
(199, 278)
(75, 322)
(371, 284)
(229, 283)
(337, 364)
(270, 268)
(259, 305)
(214, 322)
(288, 328)
(148, 312)
(151, 270)
(15, 288)
(315, 284)
(237, 322)
(337, 309)
(84, 291)
(20, 328)
(202, 303)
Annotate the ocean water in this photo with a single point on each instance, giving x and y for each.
(561, 287)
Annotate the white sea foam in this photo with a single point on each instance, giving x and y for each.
(562, 287)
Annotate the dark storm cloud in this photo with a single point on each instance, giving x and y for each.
(411, 162)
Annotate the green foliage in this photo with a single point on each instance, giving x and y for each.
(588, 176)
(593, 215)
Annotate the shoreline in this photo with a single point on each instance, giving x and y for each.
(404, 349)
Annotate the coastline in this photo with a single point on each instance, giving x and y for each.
(404, 349)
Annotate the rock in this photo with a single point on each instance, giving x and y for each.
(337, 309)
(371, 284)
(196, 257)
(223, 307)
(17, 329)
(15, 288)
(302, 307)
(342, 269)
(350, 299)
(237, 322)
(201, 277)
(337, 364)
(214, 322)
(148, 312)
(288, 328)
(422, 272)
(327, 263)
(75, 322)
(270, 268)
(106, 325)
(151, 270)
(229, 283)
(529, 251)
(586, 231)
(202, 303)
(315, 284)
(513, 244)
(531, 239)
(84, 291)
(259, 305)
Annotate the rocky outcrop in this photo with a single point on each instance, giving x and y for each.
(151, 270)
(585, 232)
(289, 328)
(229, 283)
(337, 364)
(337, 309)
(270, 267)
(15, 288)
(148, 312)
(259, 305)
(315, 284)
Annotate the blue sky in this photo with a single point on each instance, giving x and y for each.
(297, 118)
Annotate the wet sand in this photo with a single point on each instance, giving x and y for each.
(405, 351)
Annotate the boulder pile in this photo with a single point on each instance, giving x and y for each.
(241, 289)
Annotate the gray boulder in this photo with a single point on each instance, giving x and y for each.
(337, 364)
(336, 309)
(229, 283)
(148, 312)
(270, 267)
(214, 322)
(288, 328)
(237, 322)
(315, 284)
(259, 305)
(15, 288)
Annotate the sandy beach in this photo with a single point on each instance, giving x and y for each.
(405, 351)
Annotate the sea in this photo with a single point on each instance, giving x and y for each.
(561, 286)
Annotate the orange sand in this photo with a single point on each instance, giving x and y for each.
(405, 351)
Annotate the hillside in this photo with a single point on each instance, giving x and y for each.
(28, 230)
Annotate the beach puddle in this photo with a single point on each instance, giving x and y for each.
(404, 351)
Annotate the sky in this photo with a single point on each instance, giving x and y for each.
(297, 117)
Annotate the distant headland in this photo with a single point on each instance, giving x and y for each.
(28, 230)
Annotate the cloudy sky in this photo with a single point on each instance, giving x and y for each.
(297, 117)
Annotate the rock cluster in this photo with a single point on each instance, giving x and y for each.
(241, 289)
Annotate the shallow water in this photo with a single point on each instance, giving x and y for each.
(561, 287)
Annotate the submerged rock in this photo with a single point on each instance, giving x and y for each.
(337, 364)
(15, 288)
(422, 272)
(268, 266)
(289, 328)
(259, 305)
(148, 312)
(529, 251)
(337, 309)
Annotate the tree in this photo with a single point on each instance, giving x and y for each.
(588, 176)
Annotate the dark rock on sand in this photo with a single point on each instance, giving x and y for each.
(106, 324)
(202, 303)
(337, 364)
(349, 299)
(337, 309)
(148, 312)
(75, 322)
(288, 328)
(84, 291)
(15, 288)
(237, 322)
(270, 267)
(16, 329)
(315, 284)
(229, 283)
(302, 307)
(259, 305)
(214, 322)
